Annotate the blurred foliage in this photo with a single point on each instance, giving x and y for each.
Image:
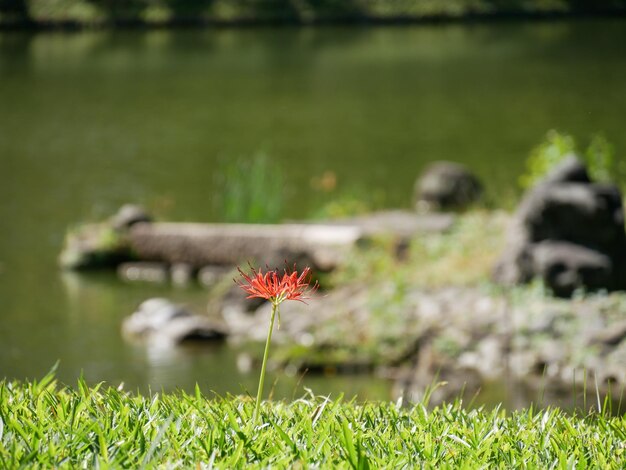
(349, 203)
(345, 205)
(332, 199)
(94, 12)
(93, 245)
(251, 190)
(464, 255)
(599, 157)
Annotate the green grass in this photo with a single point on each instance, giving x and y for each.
(44, 425)
(251, 190)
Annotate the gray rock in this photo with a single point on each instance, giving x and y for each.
(487, 358)
(566, 267)
(129, 215)
(211, 275)
(93, 246)
(569, 232)
(235, 297)
(515, 265)
(611, 335)
(460, 335)
(571, 169)
(102, 245)
(143, 271)
(586, 214)
(162, 322)
(446, 185)
(182, 274)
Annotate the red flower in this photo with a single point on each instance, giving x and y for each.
(276, 289)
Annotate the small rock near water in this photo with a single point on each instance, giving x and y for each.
(211, 275)
(182, 274)
(158, 320)
(446, 185)
(129, 215)
(143, 271)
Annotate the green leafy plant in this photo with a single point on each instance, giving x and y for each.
(599, 157)
(252, 190)
(348, 202)
(344, 205)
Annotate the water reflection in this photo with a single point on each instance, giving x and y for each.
(99, 302)
(169, 367)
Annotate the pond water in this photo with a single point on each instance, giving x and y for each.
(91, 120)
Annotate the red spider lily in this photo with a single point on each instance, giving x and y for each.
(276, 289)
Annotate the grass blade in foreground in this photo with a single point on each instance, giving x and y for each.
(53, 427)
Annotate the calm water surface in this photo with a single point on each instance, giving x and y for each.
(91, 120)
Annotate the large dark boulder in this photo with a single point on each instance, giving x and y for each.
(568, 231)
(566, 267)
(587, 214)
(446, 186)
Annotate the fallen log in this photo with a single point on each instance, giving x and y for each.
(230, 244)
(322, 246)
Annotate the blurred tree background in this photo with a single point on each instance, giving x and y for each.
(100, 12)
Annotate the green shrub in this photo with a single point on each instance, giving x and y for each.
(349, 203)
(599, 157)
(251, 190)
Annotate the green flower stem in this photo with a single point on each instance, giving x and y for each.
(259, 393)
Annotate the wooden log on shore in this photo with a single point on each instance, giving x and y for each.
(230, 244)
(398, 223)
(322, 246)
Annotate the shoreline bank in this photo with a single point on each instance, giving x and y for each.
(127, 22)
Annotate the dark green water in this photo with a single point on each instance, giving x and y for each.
(89, 121)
